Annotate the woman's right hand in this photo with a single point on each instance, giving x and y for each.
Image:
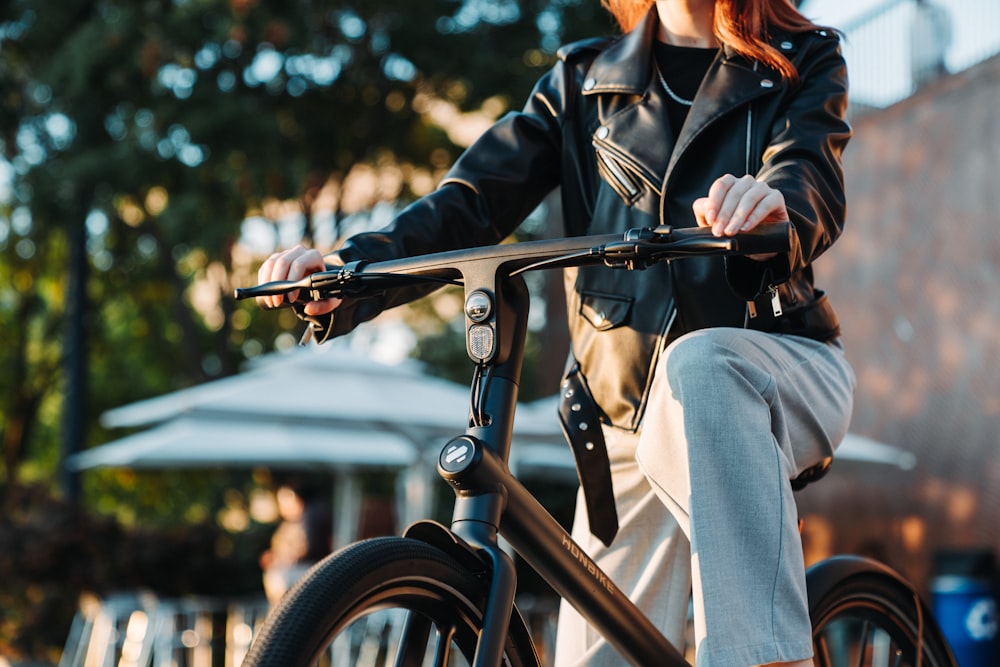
(294, 264)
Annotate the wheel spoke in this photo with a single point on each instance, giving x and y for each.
(413, 641)
(822, 647)
(863, 643)
(442, 653)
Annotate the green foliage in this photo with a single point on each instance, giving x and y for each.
(159, 128)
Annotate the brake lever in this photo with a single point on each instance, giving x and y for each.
(342, 280)
(274, 288)
(319, 285)
(624, 255)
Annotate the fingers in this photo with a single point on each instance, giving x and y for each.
(292, 264)
(739, 204)
(321, 307)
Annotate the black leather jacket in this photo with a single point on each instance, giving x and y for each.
(595, 125)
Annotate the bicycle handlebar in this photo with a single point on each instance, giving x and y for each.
(638, 248)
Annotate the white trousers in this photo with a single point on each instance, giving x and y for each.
(704, 501)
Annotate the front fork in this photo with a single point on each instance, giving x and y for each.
(476, 476)
(474, 545)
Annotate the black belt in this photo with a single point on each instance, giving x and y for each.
(582, 427)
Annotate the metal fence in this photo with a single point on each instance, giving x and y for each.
(139, 630)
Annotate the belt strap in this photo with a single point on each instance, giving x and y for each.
(582, 427)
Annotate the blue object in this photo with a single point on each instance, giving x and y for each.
(966, 611)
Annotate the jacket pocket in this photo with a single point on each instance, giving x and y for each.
(605, 311)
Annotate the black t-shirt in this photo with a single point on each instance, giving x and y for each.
(682, 68)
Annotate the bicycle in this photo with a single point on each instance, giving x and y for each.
(441, 596)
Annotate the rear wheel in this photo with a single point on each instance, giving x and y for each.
(386, 601)
(865, 615)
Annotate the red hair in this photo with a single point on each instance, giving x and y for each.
(743, 25)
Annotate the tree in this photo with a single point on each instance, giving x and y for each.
(153, 137)
(158, 128)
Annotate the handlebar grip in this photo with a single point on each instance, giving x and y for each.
(766, 238)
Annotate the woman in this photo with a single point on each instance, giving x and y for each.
(716, 381)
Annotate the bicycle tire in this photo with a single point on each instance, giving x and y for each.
(333, 615)
(866, 615)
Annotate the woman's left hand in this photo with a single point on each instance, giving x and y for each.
(738, 205)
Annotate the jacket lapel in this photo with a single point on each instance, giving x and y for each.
(638, 132)
(731, 83)
(632, 127)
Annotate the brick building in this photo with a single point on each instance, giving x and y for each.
(916, 280)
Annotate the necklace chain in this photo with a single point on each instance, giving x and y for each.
(674, 96)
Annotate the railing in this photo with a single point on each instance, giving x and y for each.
(893, 49)
(139, 630)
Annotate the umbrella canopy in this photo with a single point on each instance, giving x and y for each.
(201, 441)
(858, 448)
(328, 382)
(314, 407)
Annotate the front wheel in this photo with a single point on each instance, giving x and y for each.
(384, 601)
(866, 615)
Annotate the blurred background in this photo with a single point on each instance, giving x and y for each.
(153, 153)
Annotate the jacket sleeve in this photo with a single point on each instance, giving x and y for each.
(487, 193)
(802, 160)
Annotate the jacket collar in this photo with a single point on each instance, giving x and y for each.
(625, 66)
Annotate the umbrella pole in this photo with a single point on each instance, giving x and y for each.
(347, 508)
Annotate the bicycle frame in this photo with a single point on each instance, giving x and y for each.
(489, 500)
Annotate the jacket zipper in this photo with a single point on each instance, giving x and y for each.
(618, 174)
(750, 129)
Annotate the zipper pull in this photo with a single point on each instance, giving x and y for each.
(775, 302)
(751, 309)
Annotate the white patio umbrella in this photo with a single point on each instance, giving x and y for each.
(193, 440)
(328, 382)
(861, 449)
(316, 407)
